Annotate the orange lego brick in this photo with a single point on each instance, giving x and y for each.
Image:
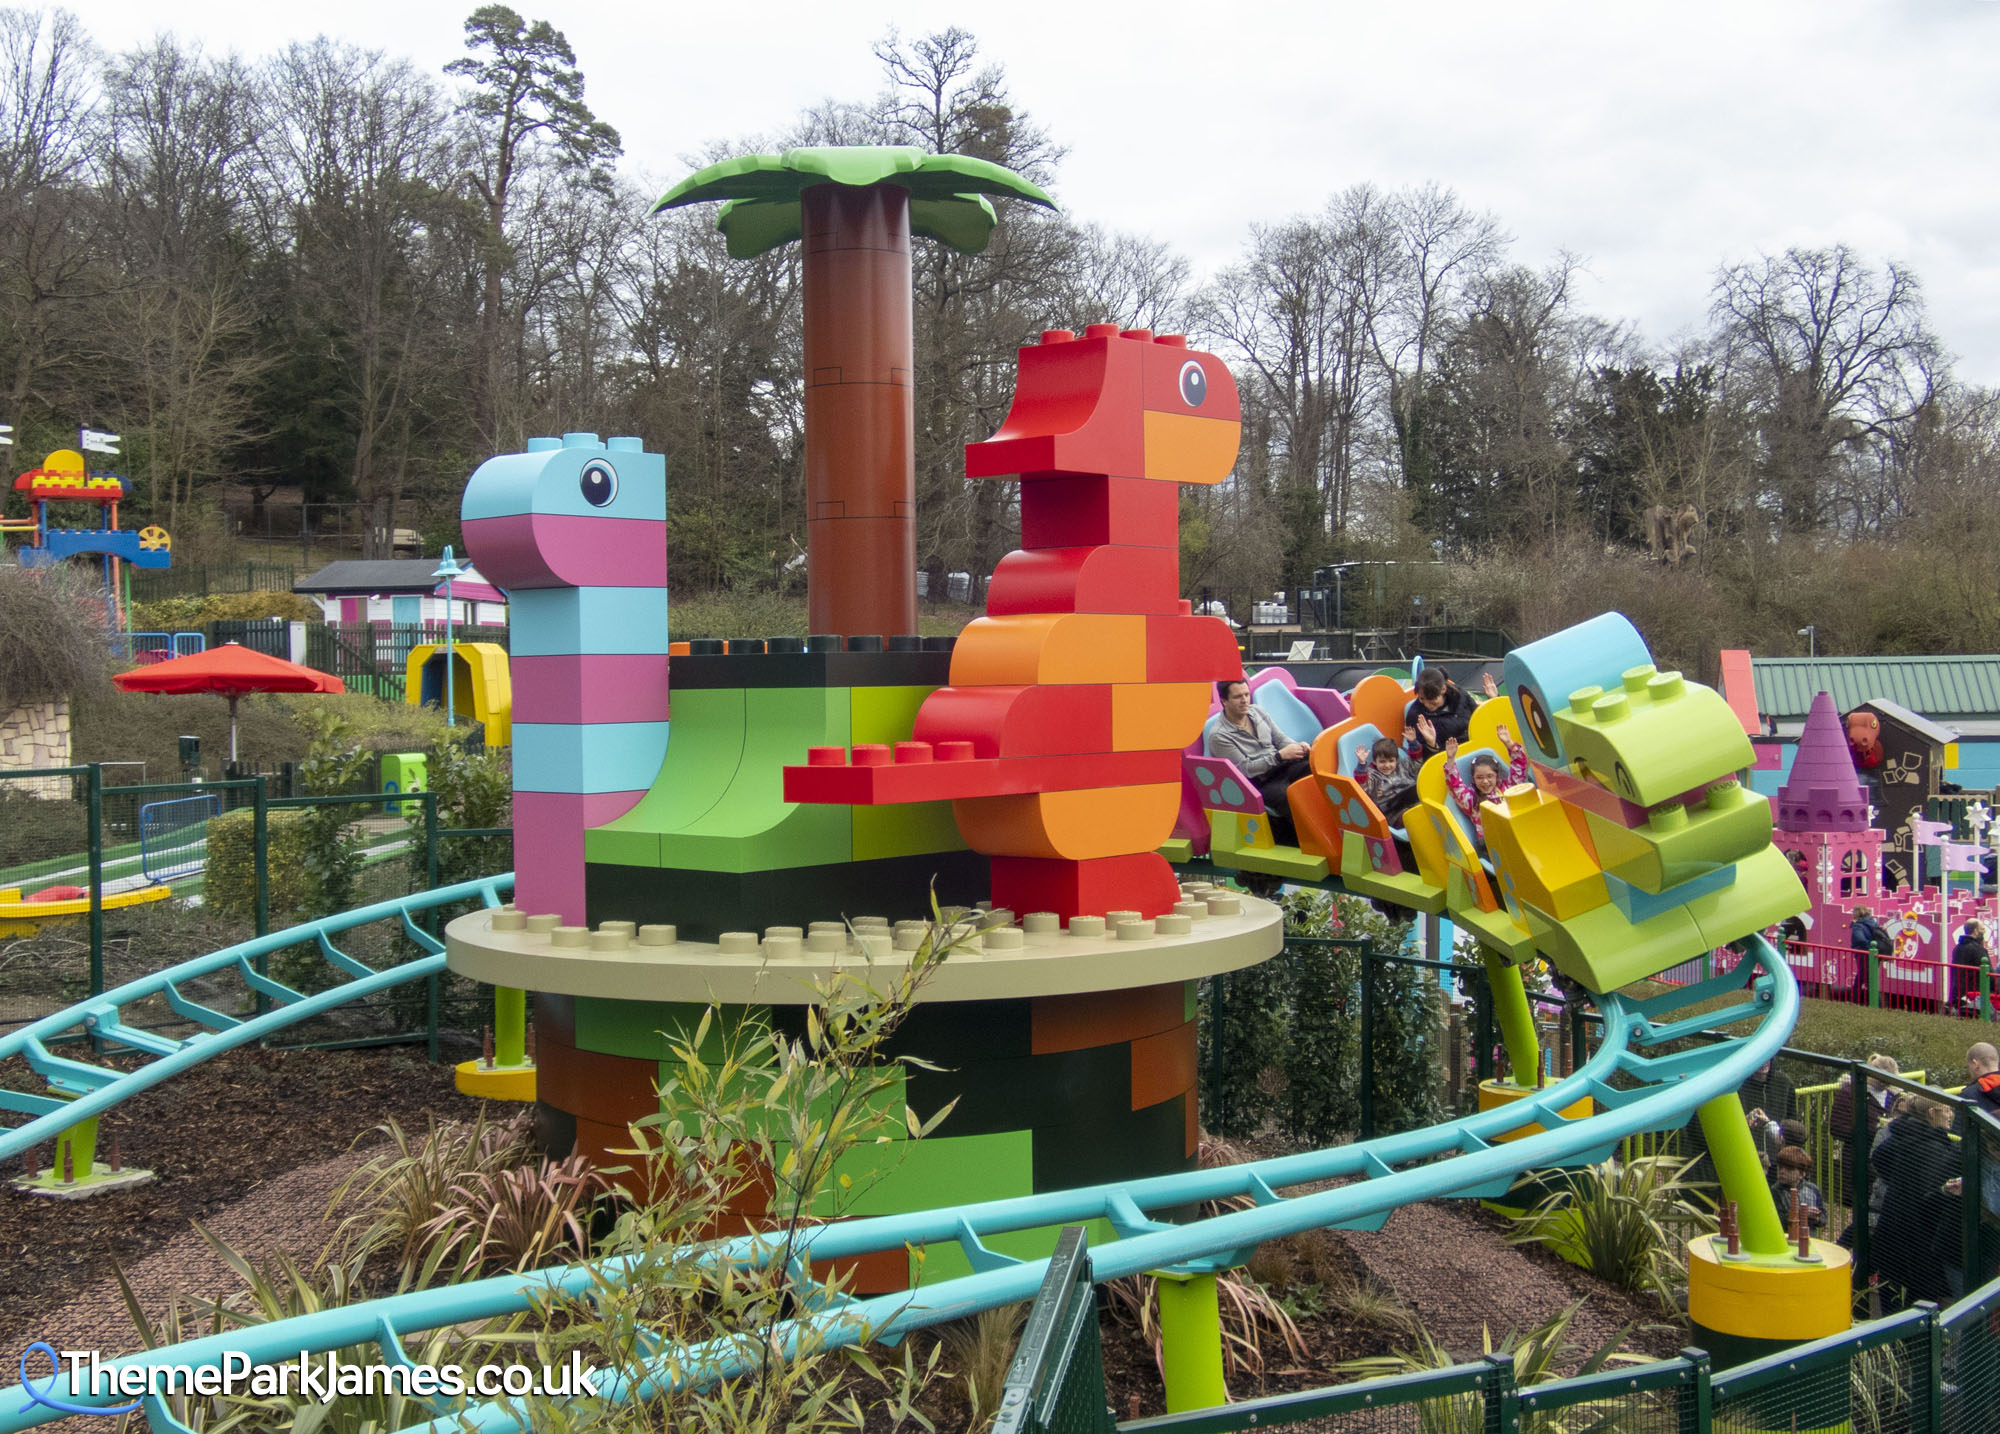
(614, 1089)
(1020, 721)
(1105, 1018)
(1077, 825)
(1157, 714)
(1313, 816)
(1163, 1066)
(1109, 578)
(1190, 649)
(1381, 701)
(1027, 649)
(1097, 509)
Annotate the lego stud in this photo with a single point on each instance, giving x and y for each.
(1176, 923)
(657, 935)
(1636, 678)
(1100, 331)
(1057, 336)
(826, 756)
(1041, 923)
(625, 928)
(871, 754)
(1143, 335)
(570, 936)
(1225, 906)
(542, 922)
(509, 921)
(1724, 796)
(1172, 341)
(737, 943)
(1580, 700)
(1092, 926)
(954, 751)
(1666, 686)
(1671, 817)
(1612, 707)
(912, 752)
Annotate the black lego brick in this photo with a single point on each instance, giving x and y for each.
(1118, 1145)
(1030, 1091)
(809, 669)
(704, 904)
(555, 1018)
(555, 1131)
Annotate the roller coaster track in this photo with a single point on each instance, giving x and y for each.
(83, 1090)
(1638, 1087)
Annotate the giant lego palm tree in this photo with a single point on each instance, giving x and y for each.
(855, 208)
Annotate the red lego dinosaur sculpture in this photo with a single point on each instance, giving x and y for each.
(1060, 736)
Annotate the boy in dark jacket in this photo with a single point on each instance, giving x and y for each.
(1442, 712)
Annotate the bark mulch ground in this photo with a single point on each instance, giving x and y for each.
(213, 1137)
(253, 1144)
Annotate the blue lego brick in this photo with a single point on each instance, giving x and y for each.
(549, 481)
(560, 621)
(1639, 904)
(1540, 676)
(590, 757)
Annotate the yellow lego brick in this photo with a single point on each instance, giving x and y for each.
(1537, 855)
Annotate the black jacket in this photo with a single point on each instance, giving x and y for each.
(1452, 719)
(1867, 935)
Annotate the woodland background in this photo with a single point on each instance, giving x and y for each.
(325, 276)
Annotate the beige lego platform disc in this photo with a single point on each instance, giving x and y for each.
(1210, 931)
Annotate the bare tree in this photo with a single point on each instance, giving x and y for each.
(1839, 357)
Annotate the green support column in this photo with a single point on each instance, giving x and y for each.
(1874, 978)
(1734, 1152)
(1191, 1341)
(1517, 1019)
(510, 1026)
(80, 1140)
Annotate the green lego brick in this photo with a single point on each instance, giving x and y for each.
(1191, 1003)
(1678, 844)
(647, 1029)
(1654, 737)
(884, 714)
(704, 750)
(1605, 952)
(888, 715)
(1765, 892)
(931, 1263)
(752, 827)
(1176, 849)
(1407, 889)
(927, 1174)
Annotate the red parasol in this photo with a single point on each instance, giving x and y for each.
(227, 671)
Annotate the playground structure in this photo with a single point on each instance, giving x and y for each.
(1045, 767)
(481, 689)
(1826, 828)
(26, 913)
(65, 478)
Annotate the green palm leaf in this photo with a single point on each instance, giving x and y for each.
(948, 192)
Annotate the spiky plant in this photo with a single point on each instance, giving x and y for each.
(1627, 1224)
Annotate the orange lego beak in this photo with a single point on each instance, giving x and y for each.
(1188, 448)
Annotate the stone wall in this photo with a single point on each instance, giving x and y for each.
(35, 736)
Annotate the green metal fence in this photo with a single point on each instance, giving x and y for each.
(1924, 1371)
(65, 828)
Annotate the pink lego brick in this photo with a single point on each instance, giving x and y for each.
(557, 550)
(590, 687)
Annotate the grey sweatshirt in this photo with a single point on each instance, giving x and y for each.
(1254, 752)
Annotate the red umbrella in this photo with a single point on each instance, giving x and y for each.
(228, 671)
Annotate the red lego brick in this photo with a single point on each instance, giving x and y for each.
(1112, 578)
(1019, 721)
(1077, 409)
(1191, 649)
(1141, 882)
(1168, 388)
(872, 781)
(1090, 511)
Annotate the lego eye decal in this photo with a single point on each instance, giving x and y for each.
(1624, 780)
(1539, 726)
(1193, 383)
(599, 482)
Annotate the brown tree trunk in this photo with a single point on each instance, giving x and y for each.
(861, 561)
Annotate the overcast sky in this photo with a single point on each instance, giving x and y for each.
(1655, 140)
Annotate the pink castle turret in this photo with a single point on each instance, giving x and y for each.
(1823, 822)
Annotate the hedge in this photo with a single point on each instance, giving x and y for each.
(231, 884)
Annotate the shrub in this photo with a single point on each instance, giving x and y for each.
(192, 614)
(396, 1196)
(230, 888)
(32, 829)
(54, 637)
